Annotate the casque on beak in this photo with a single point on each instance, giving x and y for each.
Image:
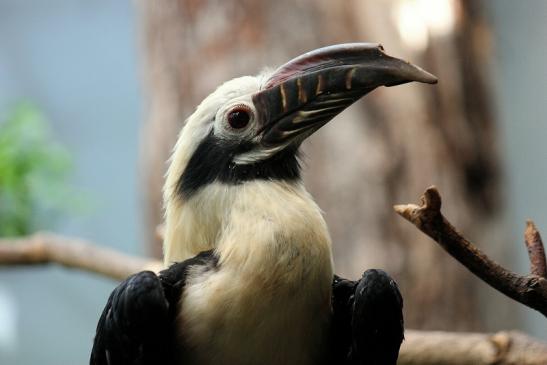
(305, 93)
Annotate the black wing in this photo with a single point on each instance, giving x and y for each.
(137, 326)
(133, 323)
(367, 320)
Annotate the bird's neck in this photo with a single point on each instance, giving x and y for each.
(270, 221)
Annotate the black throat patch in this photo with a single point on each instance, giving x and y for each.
(213, 161)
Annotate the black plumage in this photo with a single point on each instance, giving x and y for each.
(132, 327)
(213, 161)
(367, 322)
(137, 326)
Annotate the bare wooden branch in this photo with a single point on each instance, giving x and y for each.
(530, 290)
(45, 248)
(536, 252)
(449, 348)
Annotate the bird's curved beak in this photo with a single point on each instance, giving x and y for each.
(305, 93)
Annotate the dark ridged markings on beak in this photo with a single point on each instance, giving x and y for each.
(310, 90)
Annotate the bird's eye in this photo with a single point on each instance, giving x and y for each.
(239, 117)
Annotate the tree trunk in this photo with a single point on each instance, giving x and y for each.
(383, 150)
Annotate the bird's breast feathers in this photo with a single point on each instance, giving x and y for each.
(268, 300)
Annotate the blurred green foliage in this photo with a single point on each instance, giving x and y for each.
(33, 173)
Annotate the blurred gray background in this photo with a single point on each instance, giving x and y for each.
(520, 89)
(79, 62)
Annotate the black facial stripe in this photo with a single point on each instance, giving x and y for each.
(213, 161)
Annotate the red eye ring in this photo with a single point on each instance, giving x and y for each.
(239, 117)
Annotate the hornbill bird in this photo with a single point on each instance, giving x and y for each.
(250, 270)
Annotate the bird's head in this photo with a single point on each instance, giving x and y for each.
(251, 127)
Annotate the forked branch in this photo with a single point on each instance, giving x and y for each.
(530, 290)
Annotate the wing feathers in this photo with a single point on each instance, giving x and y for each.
(137, 323)
(367, 320)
